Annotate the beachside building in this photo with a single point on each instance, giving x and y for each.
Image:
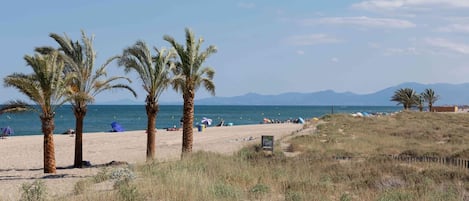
(445, 109)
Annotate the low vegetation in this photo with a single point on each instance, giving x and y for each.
(35, 191)
(346, 158)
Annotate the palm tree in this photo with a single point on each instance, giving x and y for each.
(420, 102)
(88, 82)
(189, 76)
(153, 71)
(46, 87)
(405, 96)
(430, 97)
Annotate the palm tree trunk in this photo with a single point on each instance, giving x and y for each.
(80, 113)
(187, 131)
(430, 107)
(49, 150)
(152, 110)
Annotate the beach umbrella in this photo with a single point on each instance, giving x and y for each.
(206, 121)
(116, 127)
(301, 120)
(7, 130)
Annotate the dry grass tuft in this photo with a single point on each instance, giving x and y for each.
(345, 159)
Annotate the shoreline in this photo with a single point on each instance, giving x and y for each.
(132, 118)
(22, 156)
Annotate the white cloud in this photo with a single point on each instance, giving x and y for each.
(448, 45)
(396, 4)
(401, 51)
(300, 52)
(312, 39)
(335, 60)
(455, 28)
(362, 21)
(246, 5)
(373, 45)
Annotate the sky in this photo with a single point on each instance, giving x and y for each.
(264, 46)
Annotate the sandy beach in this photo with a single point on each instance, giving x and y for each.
(22, 156)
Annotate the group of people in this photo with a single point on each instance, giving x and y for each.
(70, 132)
(277, 121)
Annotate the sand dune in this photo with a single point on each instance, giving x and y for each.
(21, 157)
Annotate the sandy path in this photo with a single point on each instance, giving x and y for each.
(21, 156)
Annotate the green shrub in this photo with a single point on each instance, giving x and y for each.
(35, 191)
(81, 186)
(396, 196)
(221, 190)
(102, 175)
(448, 194)
(259, 190)
(129, 192)
(122, 176)
(345, 197)
(292, 196)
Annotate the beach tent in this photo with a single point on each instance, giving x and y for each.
(301, 120)
(6, 131)
(116, 127)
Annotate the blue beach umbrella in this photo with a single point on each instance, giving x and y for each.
(7, 131)
(116, 127)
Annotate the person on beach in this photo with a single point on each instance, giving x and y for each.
(71, 132)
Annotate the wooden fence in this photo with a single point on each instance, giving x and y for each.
(455, 162)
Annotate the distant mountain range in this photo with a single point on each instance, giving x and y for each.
(450, 94)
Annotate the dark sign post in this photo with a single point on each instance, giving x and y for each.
(268, 143)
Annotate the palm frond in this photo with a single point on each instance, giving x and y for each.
(26, 84)
(189, 64)
(209, 86)
(45, 86)
(153, 71)
(406, 96)
(44, 50)
(65, 43)
(16, 106)
(86, 82)
(178, 83)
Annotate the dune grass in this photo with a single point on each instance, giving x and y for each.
(314, 174)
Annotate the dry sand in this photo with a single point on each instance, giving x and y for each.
(21, 157)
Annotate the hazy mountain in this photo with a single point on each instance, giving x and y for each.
(121, 102)
(450, 94)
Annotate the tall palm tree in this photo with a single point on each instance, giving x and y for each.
(420, 102)
(153, 71)
(407, 97)
(189, 76)
(430, 97)
(46, 87)
(88, 82)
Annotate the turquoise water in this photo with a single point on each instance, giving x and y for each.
(133, 117)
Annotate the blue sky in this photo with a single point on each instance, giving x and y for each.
(266, 47)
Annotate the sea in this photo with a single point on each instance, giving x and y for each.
(133, 117)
